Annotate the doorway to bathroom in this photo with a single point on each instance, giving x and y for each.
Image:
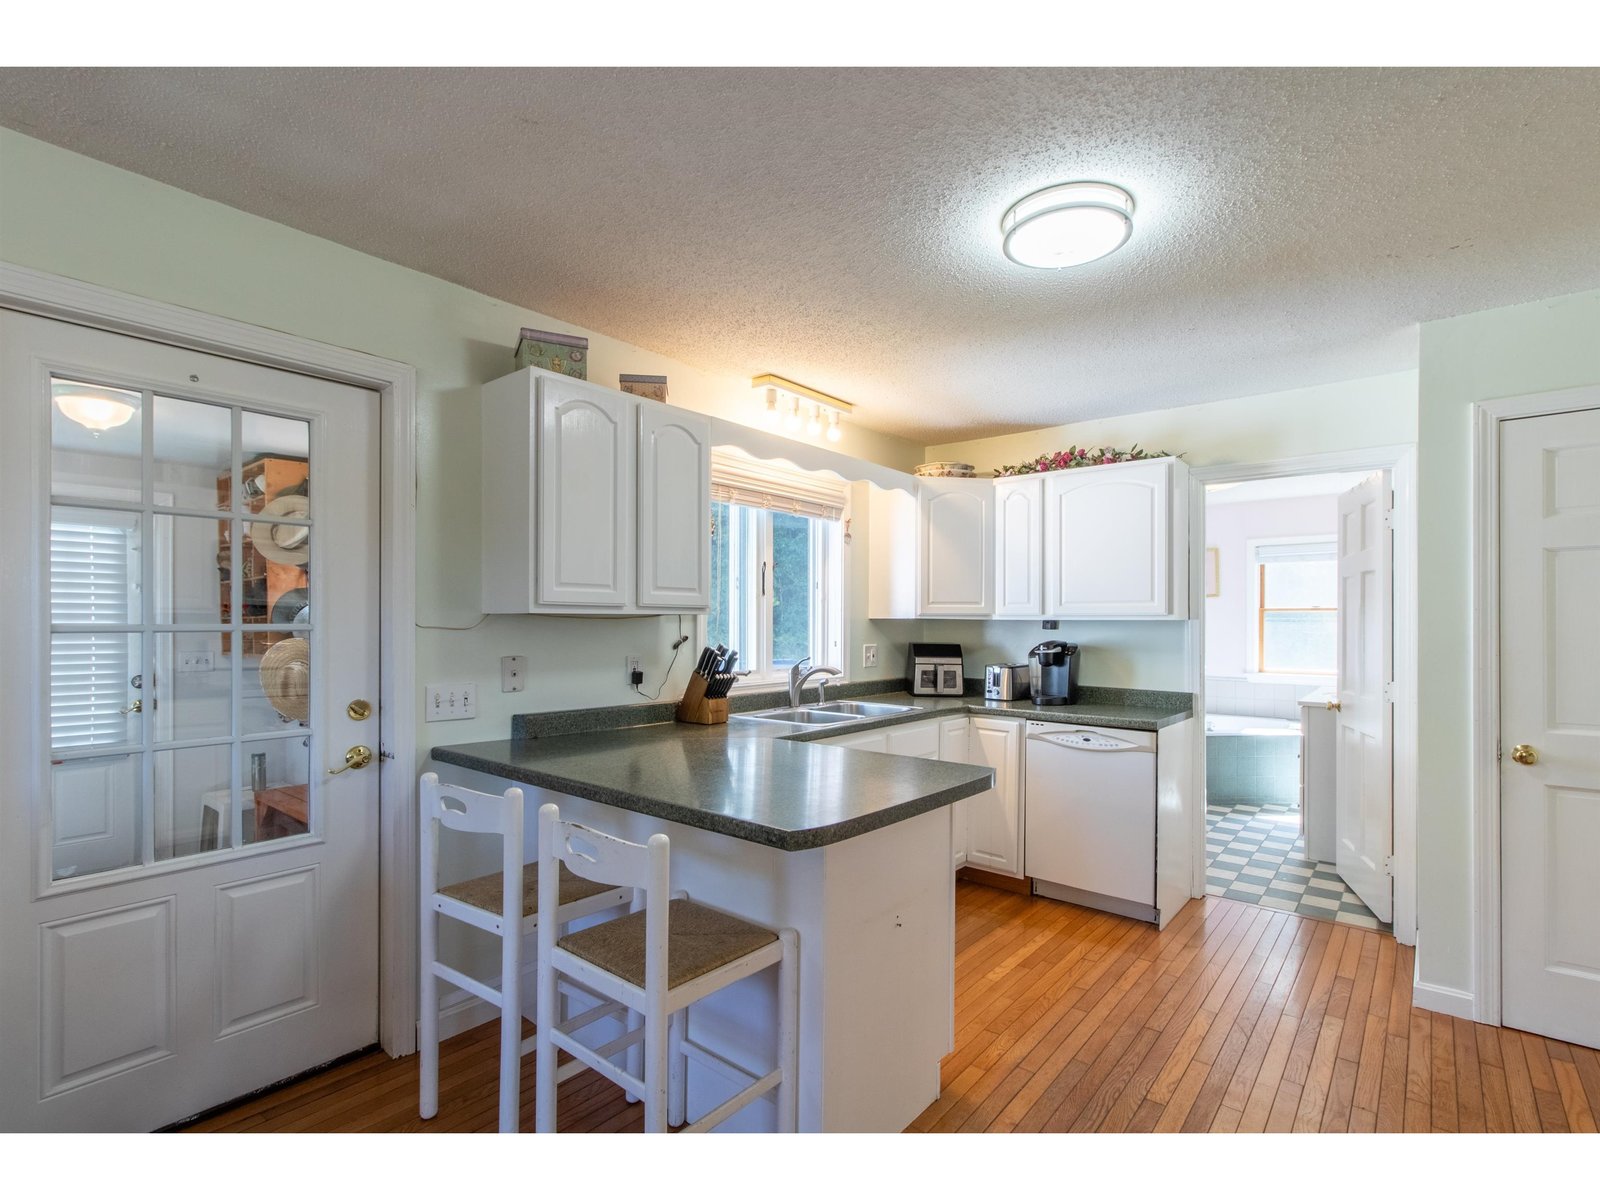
(1297, 653)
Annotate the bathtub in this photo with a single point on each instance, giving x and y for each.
(1252, 760)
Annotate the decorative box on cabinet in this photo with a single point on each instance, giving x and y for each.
(1116, 540)
(593, 501)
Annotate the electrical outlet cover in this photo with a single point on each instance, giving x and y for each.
(514, 673)
(869, 654)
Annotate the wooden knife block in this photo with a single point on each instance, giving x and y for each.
(695, 709)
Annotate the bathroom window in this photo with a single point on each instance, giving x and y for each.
(1297, 607)
(775, 568)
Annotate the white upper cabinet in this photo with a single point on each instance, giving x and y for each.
(1116, 540)
(585, 472)
(674, 539)
(956, 535)
(1019, 547)
(593, 500)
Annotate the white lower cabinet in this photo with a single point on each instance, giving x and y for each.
(987, 828)
(920, 739)
(994, 834)
(953, 748)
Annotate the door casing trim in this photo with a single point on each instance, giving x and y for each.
(1401, 462)
(1484, 795)
(40, 293)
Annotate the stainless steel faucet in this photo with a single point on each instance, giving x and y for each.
(802, 673)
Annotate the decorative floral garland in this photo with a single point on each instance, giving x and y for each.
(1076, 456)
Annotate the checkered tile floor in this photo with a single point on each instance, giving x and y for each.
(1255, 853)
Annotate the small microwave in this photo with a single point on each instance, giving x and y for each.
(934, 669)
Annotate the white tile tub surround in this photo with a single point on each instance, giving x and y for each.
(1237, 696)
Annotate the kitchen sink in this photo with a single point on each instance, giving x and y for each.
(802, 716)
(864, 708)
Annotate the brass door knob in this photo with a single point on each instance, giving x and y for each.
(1524, 754)
(354, 759)
(1334, 706)
(136, 707)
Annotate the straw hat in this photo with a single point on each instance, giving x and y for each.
(286, 678)
(283, 543)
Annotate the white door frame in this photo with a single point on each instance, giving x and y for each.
(1485, 566)
(46, 295)
(1401, 462)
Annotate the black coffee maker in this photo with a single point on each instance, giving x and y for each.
(1053, 672)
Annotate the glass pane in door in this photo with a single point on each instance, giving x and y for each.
(190, 799)
(96, 441)
(95, 807)
(281, 806)
(193, 454)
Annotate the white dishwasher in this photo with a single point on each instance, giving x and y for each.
(1090, 832)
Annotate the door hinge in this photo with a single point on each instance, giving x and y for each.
(1388, 692)
(1388, 518)
(1388, 866)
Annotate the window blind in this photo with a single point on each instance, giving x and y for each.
(89, 671)
(737, 479)
(1278, 552)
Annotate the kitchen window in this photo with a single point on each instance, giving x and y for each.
(775, 567)
(1297, 606)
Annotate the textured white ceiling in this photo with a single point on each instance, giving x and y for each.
(840, 227)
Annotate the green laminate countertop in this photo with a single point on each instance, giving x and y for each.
(767, 782)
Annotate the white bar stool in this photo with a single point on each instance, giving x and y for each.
(506, 904)
(657, 961)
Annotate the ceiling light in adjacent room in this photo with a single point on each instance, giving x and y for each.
(773, 417)
(834, 432)
(96, 408)
(1067, 225)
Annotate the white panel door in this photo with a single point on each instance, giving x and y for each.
(1108, 541)
(994, 835)
(674, 510)
(1364, 730)
(586, 469)
(188, 899)
(1019, 547)
(1550, 717)
(956, 519)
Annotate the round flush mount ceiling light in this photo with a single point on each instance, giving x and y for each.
(95, 408)
(1067, 225)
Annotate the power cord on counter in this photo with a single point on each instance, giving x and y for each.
(667, 675)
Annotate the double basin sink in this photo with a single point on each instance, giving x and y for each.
(835, 712)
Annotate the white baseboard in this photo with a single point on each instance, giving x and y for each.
(1452, 1002)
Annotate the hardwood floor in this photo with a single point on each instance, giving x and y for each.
(1234, 1018)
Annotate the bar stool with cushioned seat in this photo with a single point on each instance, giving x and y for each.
(488, 903)
(657, 961)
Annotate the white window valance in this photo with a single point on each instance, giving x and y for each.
(738, 479)
(1309, 551)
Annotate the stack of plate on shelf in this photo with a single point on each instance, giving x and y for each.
(945, 470)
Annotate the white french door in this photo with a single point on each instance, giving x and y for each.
(1549, 539)
(188, 897)
(1364, 726)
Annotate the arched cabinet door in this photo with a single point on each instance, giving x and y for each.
(586, 503)
(674, 508)
(1019, 547)
(1108, 541)
(957, 550)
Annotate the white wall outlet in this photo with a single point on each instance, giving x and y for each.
(514, 673)
(869, 654)
(632, 669)
(450, 701)
(195, 660)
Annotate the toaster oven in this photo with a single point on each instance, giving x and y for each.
(934, 669)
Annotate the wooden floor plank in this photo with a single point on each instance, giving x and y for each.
(1234, 1017)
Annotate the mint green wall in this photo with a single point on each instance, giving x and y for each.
(1515, 351)
(73, 216)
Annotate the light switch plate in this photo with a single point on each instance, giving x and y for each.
(450, 701)
(514, 673)
(191, 661)
(869, 654)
